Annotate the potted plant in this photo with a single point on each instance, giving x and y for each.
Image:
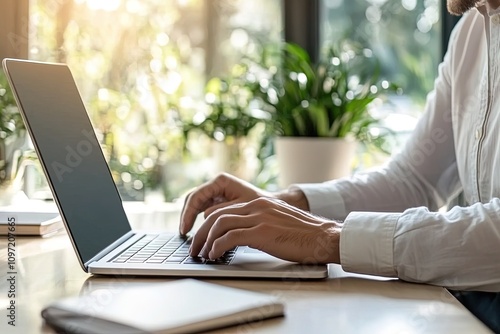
(228, 121)
(11, 141)
(319, 112)
(11, 126)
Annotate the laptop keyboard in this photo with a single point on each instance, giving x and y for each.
(167, 249)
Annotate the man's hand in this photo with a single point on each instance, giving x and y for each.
(226, 190)
(272, 226)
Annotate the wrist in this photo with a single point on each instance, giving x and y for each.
(333, 232)
(295, 198)
(327, 241)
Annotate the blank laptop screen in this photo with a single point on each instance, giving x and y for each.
(71, 155)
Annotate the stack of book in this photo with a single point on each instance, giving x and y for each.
(23, 221)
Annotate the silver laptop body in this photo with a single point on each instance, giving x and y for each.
(89, 202)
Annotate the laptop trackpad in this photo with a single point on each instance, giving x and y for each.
(246, 256)
(248, 250)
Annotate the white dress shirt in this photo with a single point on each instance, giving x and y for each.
(392, 227)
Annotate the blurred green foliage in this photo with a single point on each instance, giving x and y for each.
(11, 123)
(10, 119)
(229, 111)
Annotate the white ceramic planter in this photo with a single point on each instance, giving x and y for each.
(311, 160)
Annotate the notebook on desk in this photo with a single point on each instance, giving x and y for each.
(88, 200)
(181, 306)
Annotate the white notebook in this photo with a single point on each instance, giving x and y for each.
(182, 306)
(26, 221)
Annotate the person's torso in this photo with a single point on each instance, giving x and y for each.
(475, 82)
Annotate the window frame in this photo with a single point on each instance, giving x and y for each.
(302, 25)
(448, 22)
(14, 25)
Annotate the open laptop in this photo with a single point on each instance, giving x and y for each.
(87, 198)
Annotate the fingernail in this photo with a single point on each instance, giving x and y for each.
(204, 252)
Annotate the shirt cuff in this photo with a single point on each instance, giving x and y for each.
(367, 243)
(323, 199)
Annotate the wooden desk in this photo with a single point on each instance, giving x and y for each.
(47, 269)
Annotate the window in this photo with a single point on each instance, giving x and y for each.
(405, 35)
(143, 65)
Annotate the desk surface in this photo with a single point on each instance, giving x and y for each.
(47, 269)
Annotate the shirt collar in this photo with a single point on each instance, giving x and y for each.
(493, 12)
(484, 8)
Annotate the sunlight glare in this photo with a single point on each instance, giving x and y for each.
(162, 39)
(174, 80)
(108, 5)
(103, 94)
(409, 4)
(126, 177)
(210, 98)
(186, 102)
(125, 160)
(171, 62)
(148, 163)
(138, 185)
(94, 66)
(302, 78)
(219, 135)
(239, 38)
(199, 118)
(133, 6)
(155, 65)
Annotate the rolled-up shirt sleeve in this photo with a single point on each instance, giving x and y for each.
(457, 249)
(366, 245)
(323, 199)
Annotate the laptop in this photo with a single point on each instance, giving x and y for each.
(89, 202)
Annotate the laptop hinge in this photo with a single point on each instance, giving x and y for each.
(108, 249)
